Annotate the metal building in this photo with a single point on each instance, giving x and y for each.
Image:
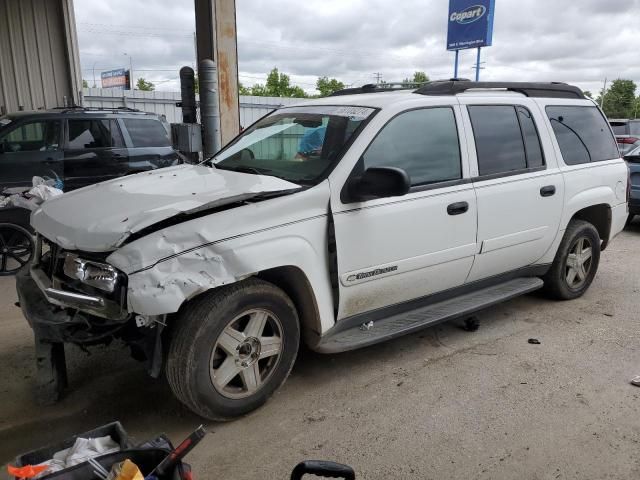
(39, 59)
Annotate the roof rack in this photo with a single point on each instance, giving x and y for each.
(77, 108)
(379, 88)
(529, 89)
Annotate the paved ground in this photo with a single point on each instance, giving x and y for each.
(444, 403)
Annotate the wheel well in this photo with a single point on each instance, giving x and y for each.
(600, 217)
(296, 285)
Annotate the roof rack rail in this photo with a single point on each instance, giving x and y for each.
(77, 108)
(379, 88)
(529, 89)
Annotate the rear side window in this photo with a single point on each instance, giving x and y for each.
(147, 132)
(582, 133)
(85, 134)
(499, 142)
(424, 143)
(32, 136)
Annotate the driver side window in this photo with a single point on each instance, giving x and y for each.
(32, 136)
(424, 143)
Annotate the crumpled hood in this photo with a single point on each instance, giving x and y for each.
(100, 217)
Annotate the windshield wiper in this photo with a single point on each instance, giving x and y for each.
(241, 169)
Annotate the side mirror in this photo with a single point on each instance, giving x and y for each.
(380, 182)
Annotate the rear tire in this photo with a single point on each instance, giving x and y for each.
(232, 348)
(576, 262)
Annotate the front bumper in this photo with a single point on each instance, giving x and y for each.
(53, 319)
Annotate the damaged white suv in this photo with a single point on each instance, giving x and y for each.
(342, 222)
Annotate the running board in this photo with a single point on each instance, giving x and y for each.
(341, 340)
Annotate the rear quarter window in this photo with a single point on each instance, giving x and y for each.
(147, 132)
(582, 133)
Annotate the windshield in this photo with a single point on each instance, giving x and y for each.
(298, 144)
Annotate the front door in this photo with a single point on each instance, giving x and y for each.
(519, 187)
(30, 149)
(94, 152)
(394, 250)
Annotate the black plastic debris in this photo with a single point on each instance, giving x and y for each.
(471, 324)
(534, 341)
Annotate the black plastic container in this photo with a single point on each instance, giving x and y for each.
(34, 457)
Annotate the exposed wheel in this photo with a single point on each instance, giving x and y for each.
(231, 349)
(576, 261)
(16, 248)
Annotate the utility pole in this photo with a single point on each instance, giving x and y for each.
(604, 89)
(131, 83)
(216, 40)
(378, 76)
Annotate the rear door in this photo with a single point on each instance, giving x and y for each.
(393, 250)
(149, 144)
(28, 149)
(519, 186)
(94, 152)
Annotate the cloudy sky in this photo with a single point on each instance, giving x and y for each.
(580, 42)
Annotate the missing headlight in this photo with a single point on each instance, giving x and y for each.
(94, 274)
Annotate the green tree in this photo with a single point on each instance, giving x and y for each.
(327, 86)
(278, 85)
(587, 93)
(242, 90)
(418, 78)
(145, 86)
(619, 101)
(84, 83)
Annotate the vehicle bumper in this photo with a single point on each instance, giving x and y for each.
(54, 315)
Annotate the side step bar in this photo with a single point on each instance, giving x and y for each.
(341, 340)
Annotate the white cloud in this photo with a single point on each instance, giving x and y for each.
(578, 42)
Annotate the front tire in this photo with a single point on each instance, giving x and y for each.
(232, 348)
(576, 262)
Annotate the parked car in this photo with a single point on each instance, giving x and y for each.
(633, 160)
(342, 222)
(627, 134)
(81, 146)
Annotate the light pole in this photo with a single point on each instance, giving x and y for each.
(131, 84)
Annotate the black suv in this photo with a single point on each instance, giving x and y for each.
(81, 146)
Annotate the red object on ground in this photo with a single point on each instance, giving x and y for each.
(28, 471)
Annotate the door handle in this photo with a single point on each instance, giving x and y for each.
(548, 191)
(48, 161)
(457, 208)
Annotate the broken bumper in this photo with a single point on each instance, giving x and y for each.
(57, 315)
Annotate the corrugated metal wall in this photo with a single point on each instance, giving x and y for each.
(164, 103)
(39, 65)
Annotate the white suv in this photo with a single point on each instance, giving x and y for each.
(345, 222)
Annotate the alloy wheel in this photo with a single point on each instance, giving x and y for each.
(578, 263)
(16, 248)
(246, 353)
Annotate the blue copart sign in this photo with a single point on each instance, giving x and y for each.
(470, 24)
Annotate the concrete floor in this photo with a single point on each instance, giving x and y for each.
(443, 403)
